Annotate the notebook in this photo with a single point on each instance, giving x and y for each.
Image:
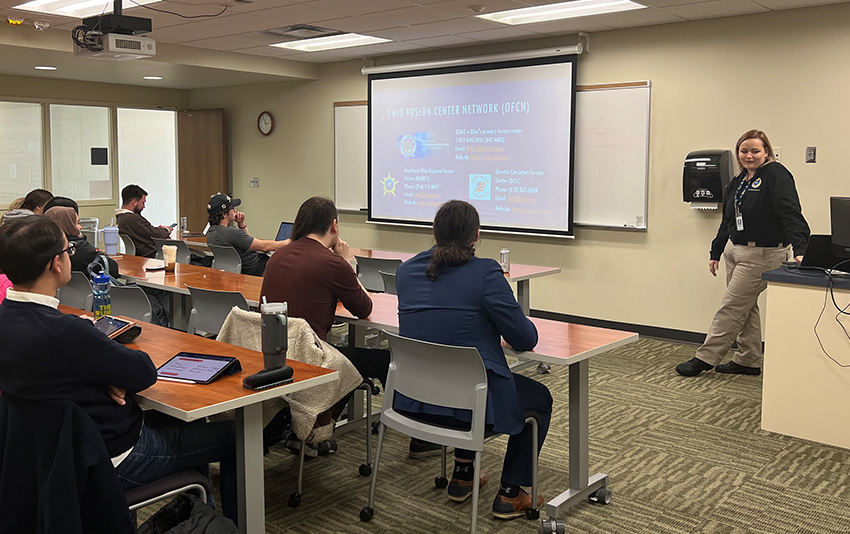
(284, 231)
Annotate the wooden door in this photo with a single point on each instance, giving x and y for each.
(201, 162)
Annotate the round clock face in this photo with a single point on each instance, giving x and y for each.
(265, 123)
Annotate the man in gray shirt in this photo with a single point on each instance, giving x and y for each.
(221, 211)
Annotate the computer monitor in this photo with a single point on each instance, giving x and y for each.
(839, 214)
(284, 231)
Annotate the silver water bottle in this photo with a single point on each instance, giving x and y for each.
(274, 336)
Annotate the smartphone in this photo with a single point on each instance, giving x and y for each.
(172, 225)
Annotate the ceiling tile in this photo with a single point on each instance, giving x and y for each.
(639, 17)
(389, 19)
(406, 33)
(207, 29)
(445, 41)
(463, 25)
(498, 34)
(705, 10)
(460, 8)
(791, 4)
(349, 7)
(298, 14)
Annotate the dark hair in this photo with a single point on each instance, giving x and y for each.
(36, 198)
(64, 202)
(315, 216)
(215, 217)
(132, 192)
(27, 246)
(456, 227)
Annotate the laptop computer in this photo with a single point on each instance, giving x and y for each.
(819, 253)
(284, 231)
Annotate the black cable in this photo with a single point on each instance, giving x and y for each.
(178, 14)
(841, 311)
(829, 294)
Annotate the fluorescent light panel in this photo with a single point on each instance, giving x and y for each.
(45, 67)
(76, 8)
(562, 10)
(345, 40)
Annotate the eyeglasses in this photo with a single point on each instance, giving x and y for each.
(72, 248)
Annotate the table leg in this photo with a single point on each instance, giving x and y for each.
(522, 295)
(581, 486)
(250, 485)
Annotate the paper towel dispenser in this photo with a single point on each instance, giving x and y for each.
(706, 175)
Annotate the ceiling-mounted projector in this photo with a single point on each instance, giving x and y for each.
(118, 47)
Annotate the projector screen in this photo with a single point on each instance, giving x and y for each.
(497, 135)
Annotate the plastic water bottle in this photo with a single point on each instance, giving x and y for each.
(102, 302)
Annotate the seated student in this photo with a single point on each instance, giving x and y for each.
(33, 204)
(221, 211)
(62, 201)
(132, 224)
(85, 253)
(447, 295)
(49, 355)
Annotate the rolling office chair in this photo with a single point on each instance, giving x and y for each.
(226, 258)
(77, 293)
(183, 254)
(210, 308)
(367, 271)
(131, 301)
(389, 282)
(129, 246)
(442, 375)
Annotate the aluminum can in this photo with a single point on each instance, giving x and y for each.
(184, 225)
(505, 260)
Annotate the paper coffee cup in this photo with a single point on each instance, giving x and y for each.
(169, 256)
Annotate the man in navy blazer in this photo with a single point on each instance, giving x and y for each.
(447, 295)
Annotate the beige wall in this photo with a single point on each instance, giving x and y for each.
(784, 72)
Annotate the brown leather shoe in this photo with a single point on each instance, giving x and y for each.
(460, 490)
(511, 508)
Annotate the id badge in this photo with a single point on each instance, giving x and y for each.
(739, 222)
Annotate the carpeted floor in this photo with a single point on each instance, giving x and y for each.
(683, 455)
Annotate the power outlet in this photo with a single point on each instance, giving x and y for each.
(255, 181)
(777, 153)
(811, 154)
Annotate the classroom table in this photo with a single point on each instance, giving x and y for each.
(189, 402)
(559, 343)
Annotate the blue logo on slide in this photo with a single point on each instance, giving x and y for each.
(479, 187)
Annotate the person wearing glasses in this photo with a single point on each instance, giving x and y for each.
(82, 252)
(48, 355)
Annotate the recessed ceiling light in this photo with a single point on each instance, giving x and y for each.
(563, 10)
(45, 67)
(76, 8)
(344, 40)
(152, 77)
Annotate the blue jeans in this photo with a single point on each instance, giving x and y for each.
(167, 446)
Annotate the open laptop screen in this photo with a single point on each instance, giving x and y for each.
(284, 231)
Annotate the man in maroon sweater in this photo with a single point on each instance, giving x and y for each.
(312, 273)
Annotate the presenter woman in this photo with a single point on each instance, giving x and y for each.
(762, 220)
(447, 295)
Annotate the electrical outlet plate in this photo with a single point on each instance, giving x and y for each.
(255, 181)
(811, 154)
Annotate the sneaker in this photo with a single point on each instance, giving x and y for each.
(323, 448)
(733, 368)
(424, 449)
(460, 490)
(693, 367)
(513, 507)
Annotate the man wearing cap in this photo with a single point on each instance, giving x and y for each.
(221, 211)
(131, 222)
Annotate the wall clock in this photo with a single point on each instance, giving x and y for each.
(265, 123)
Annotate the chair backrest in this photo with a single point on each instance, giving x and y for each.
(226, 258)
(77, 293)
(129, 246)
(55, 472)
(367, 271)
(183, 253)
(132, 302)
(441, 375)
(389, 282)
(210, 308)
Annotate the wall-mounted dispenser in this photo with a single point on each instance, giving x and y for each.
(706, 175)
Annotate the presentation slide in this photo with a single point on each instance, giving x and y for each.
(499, 136)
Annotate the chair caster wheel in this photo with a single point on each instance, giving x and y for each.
(376, 390)
(365, 470)
(294, 500)
(543, 368)
(532, 513)
(366, 514)
(601, 496)
(440, 482)
(375, 427)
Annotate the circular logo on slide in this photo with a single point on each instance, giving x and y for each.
(389, 184)
(407, 145)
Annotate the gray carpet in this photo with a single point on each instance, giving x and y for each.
(683, 455)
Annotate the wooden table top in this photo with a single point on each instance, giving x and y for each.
(558, 342)
(192, 401)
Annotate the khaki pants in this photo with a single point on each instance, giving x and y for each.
(738, 316)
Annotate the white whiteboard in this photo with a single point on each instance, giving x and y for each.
(611, 161)
(350, 151)
(612, 155)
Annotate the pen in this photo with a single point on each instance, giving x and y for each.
(174, 380)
